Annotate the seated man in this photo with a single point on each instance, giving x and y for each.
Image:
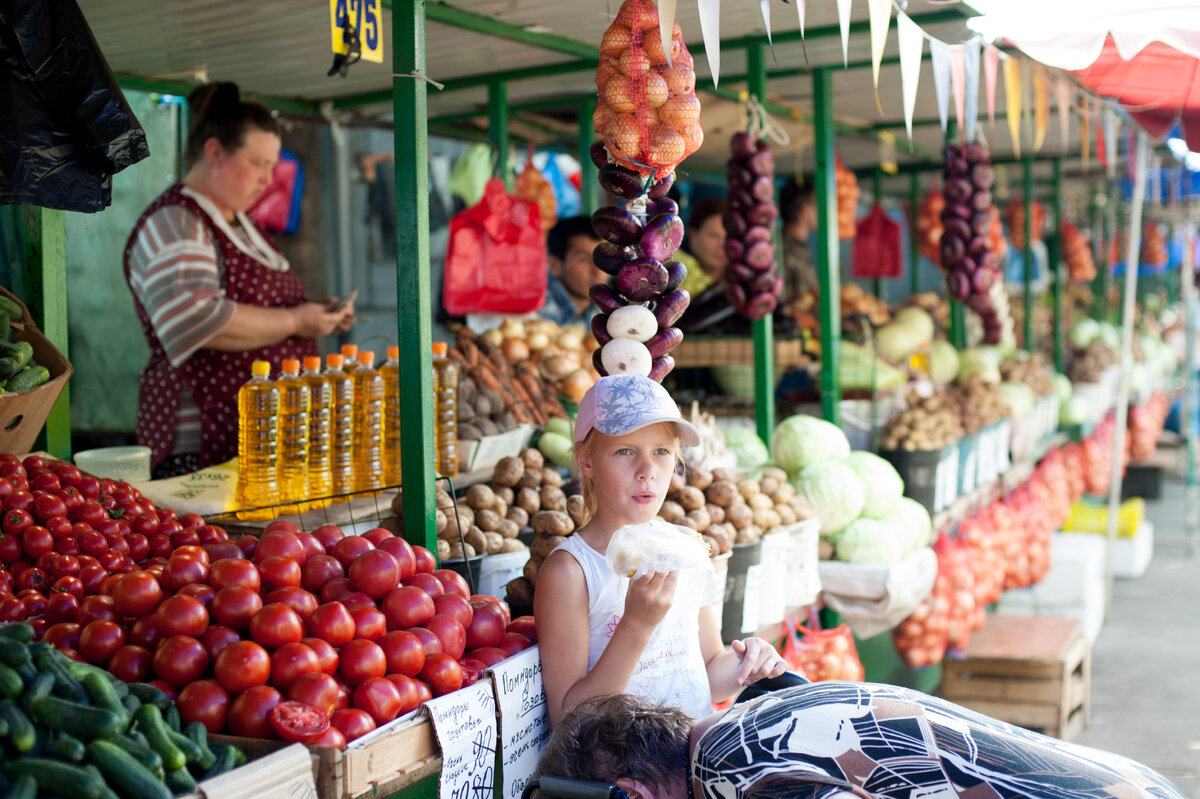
(569, 248)
(831, 739)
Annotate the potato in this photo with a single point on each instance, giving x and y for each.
(461, 551)
(543, 545)
(825, 550)
(508, 472)
(721, 492)
(475, 539)
(774, 473)
(765, 518)
(739, 516)
(748, 535)
(701, 518)
(487, 520)
(773, 531)
(552, 522)
(784, 493)
(469, 432)
(553, 498)
(466, 412)
(531, 569)
(722, 473)
(518, 516)
(724, 534)
(700, 478)
(462, 520)
(530, 500)
(768, 486)
(481, 496)
(551, 477)
(714, 546)
(483, 405)
(519, 591)
(466, 388)
(532, 458)
(576, 510)
(691, 498)
(500, 507)
(508, 528)
(512, 545)
(532, 478)
(505, 494)
(439, 520)
(671, 511)
(677, 483)
(802, 508)
(443, 549)
(715, 512)
(761, 502)
(786, 514)
(684, 521)
(494, 542)
(440, 499)
(749, 489)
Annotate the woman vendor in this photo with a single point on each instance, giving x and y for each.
(212, 291)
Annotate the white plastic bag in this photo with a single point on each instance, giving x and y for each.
(658, 546)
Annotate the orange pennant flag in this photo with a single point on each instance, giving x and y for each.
(1041, 106)
(1012, 101)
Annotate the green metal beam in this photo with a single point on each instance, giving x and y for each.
(178, 89)
(412, 271)
(1028, 254)
(498, 128)
(489, 26)
(1054, 251)
(762, 330)
(829, 273)
(589, 182)
(46, 298)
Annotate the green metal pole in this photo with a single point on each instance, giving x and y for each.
(412, 271)
(1028, 189)
(589, 185)
(46, 298)
(1054, 247)
(914, 260)
(762, 330)
(958, 324)
(829, 272)
(498, 128)
(877, 192)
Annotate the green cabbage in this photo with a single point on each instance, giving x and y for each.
(750, 450)
(943, 362)
(835, 493)
(1075, 410)
(913, 518)
(983, 361)
(1062, 387)
(870, 541)
(802, 440)
(1083, 333)
(882, 483)
(858, 369)
(910, 331)
(1020, 398)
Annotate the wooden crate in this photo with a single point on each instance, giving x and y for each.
(282, 774)
(1031, 671)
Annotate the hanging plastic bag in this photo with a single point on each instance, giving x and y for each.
(532, 185)
(496, 258)
(821, 654)
(566, 188)
(877, 245)
(278, 208)
(471, 173)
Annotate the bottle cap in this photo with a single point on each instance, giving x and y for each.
(335, 360)
(393, 353)
(367, 357)
(291, 365)
(439, 348)
(260, 368)
(349, 351)
(312, 363)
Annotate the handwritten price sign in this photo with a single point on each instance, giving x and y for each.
(524, 722)
(465, 723)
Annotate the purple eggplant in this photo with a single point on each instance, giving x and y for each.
(642, 279)
(611, 257)
(762, 282)
(760, 255)
(617, 225)
(739, 198)
(660, 367)
(663, 205)
(958, 285)
(953, 250)
(670, 306)
(596, 363)
(756, 233)
(737, 295)
(735, 224)
(981, 200)
(982, 280)
(600, 329)
(760, 305)
(763, 189)
(983, 176)
(605, 297)
(762, 163)
(740, 272)
(981, 223)
(598, 154)
(738, 175)
(676, 274)
(664, 341)
(661, 187)
(734, 249)
(763, 214)
(662, 236)
(741, 145)
(622, 182)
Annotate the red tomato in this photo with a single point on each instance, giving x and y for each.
(442, 673)
(404, 652)
(278, 571)
(500, 603)
(311, 545)
(145, 523)
(191, 551)
(429, 640)
(68, 585)
(319, 570)
(235, 605)
(167, 690)
(425, 562)
(512, 643)
(407, 606)
(291, 661)
(136, 546)
(12, 609)
(47, 506)
(452, 634)
(89, 511)
(333, 623)
(349, 548)
(295, 598)
(326, 654)
(374, 573)
(242, 665)
(354, 722)
(379, 697)
(275, 543)
(317, 689)
(369, 622)
(360, 660)
(130, 663)
(180, 660)
(453, 582)
(64, 566)
(410, 694)
(206, 702)
(424, 694)
(402, 551)
(62, 607)
(525, 626)
(454, 605)
(10, 545)
(183, 570)
(111, 560)
(199, 591)
(249, 714)
(137, 594)
(144, 632)
(217, 637)
(335, 589)
(276, 624)
(20, 500)
(100, 640)
(282, 525)
(298, 722)
(332, 738)
(180, 536)
(97, 608)
(488, 655)
(356, 599)
(377, 535)
(211, 534)
(192, 520)
(487, 624)
(472, 670)
(328, 535)
(223, 550)
(234, 572)
(159, 545)
(36, 540)
(182, 615)
(93, 543)
(248, 543)
(426, 582)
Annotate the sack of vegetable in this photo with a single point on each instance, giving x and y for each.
(821, 654)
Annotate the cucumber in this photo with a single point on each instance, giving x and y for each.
(29, 672)
(135, 745)
(6, 331)
(20, 728)
(190, 749)
(13, 652)
(8, 368)
(41, 685)
(226, 761)
(71, 782)
(67, 748)
(150, 722)
(180, 781)
(65, 684)
(32, 377)
(170, 714)
(104, 695)
(131, 704)
(26, 351)
(17, 631)
(125, 773)
(198, 734)
(83, 720)
(147, 693)
(10, 307)
(11, 684)
(25, 787)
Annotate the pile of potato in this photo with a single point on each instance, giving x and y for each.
(1088, 365)
(928, 423)
(1033, 371)
(481, 412)
(980, 404)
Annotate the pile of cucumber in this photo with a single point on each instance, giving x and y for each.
(18, 371)
(75, 731)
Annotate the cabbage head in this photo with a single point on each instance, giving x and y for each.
(881, 481)
(801, 440)
(943, 362)
(913, 519)
(750, 450)
(983, 361)
(1083, 333)
(1062, 387)
(1020, 398)
(835, 493)
(869, 541)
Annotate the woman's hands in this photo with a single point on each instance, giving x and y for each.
(757, 660)
(317, 319)
(649, 598)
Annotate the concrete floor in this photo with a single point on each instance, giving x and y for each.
(1145, 698)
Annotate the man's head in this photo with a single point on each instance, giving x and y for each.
(618, 738)
(798, 209)
(569, 255)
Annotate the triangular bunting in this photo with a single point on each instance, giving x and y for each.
(710, 29)
(991, 63)
(1062, 98)
(1041, 106)
(971, 73)
(1012, 101)
(939, 53)
(666, 24)
(1085, 133)
(958, 84)
(843, 8)
(801, 6)
(881, 20)
(764, 6)
(912, 45)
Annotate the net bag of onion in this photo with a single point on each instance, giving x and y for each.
(821, 654)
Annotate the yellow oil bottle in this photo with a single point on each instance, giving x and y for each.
(390, 372)
(368, 423)
(258, 439)
(341, 450)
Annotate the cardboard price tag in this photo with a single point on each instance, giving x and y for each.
(524, 720)
(465, 722)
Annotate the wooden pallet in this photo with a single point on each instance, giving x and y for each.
(1031, 671)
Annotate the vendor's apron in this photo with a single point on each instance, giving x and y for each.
(212, 376)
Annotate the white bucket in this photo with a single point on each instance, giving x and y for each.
(497, 570)
(131, 464)
(772, 598)
(803, 577)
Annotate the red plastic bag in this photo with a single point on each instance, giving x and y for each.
(821, 654)
(278, 208)
(496, 258)
(877, 246)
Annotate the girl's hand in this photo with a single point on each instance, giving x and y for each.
(649, 598)
(758, 660)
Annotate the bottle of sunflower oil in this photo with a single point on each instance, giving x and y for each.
(445, 419)
(368, 423)
(320, 429)
(293, 432)
(390, 372)
(349, 358)
(258, 439)
(341, 450)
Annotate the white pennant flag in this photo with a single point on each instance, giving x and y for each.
(710, 29)
(971, 75)
(666, 25)
(881, 19)
(1062, 97)
(843, 7)
(800, 8)
(912, 45)
(765, 7)
(939, 53)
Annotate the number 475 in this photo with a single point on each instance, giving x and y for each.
(364, 15)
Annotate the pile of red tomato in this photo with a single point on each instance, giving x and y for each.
(350, 631)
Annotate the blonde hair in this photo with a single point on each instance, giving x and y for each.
(591, 500)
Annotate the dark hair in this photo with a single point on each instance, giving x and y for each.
(618, 735)
(217, 112)
(703, 210)
(558, 241)
(792, 199)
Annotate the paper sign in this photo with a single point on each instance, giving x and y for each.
(366, 19)
(524, 720)
(1041, 106)
(465, 723)
(765, 7)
